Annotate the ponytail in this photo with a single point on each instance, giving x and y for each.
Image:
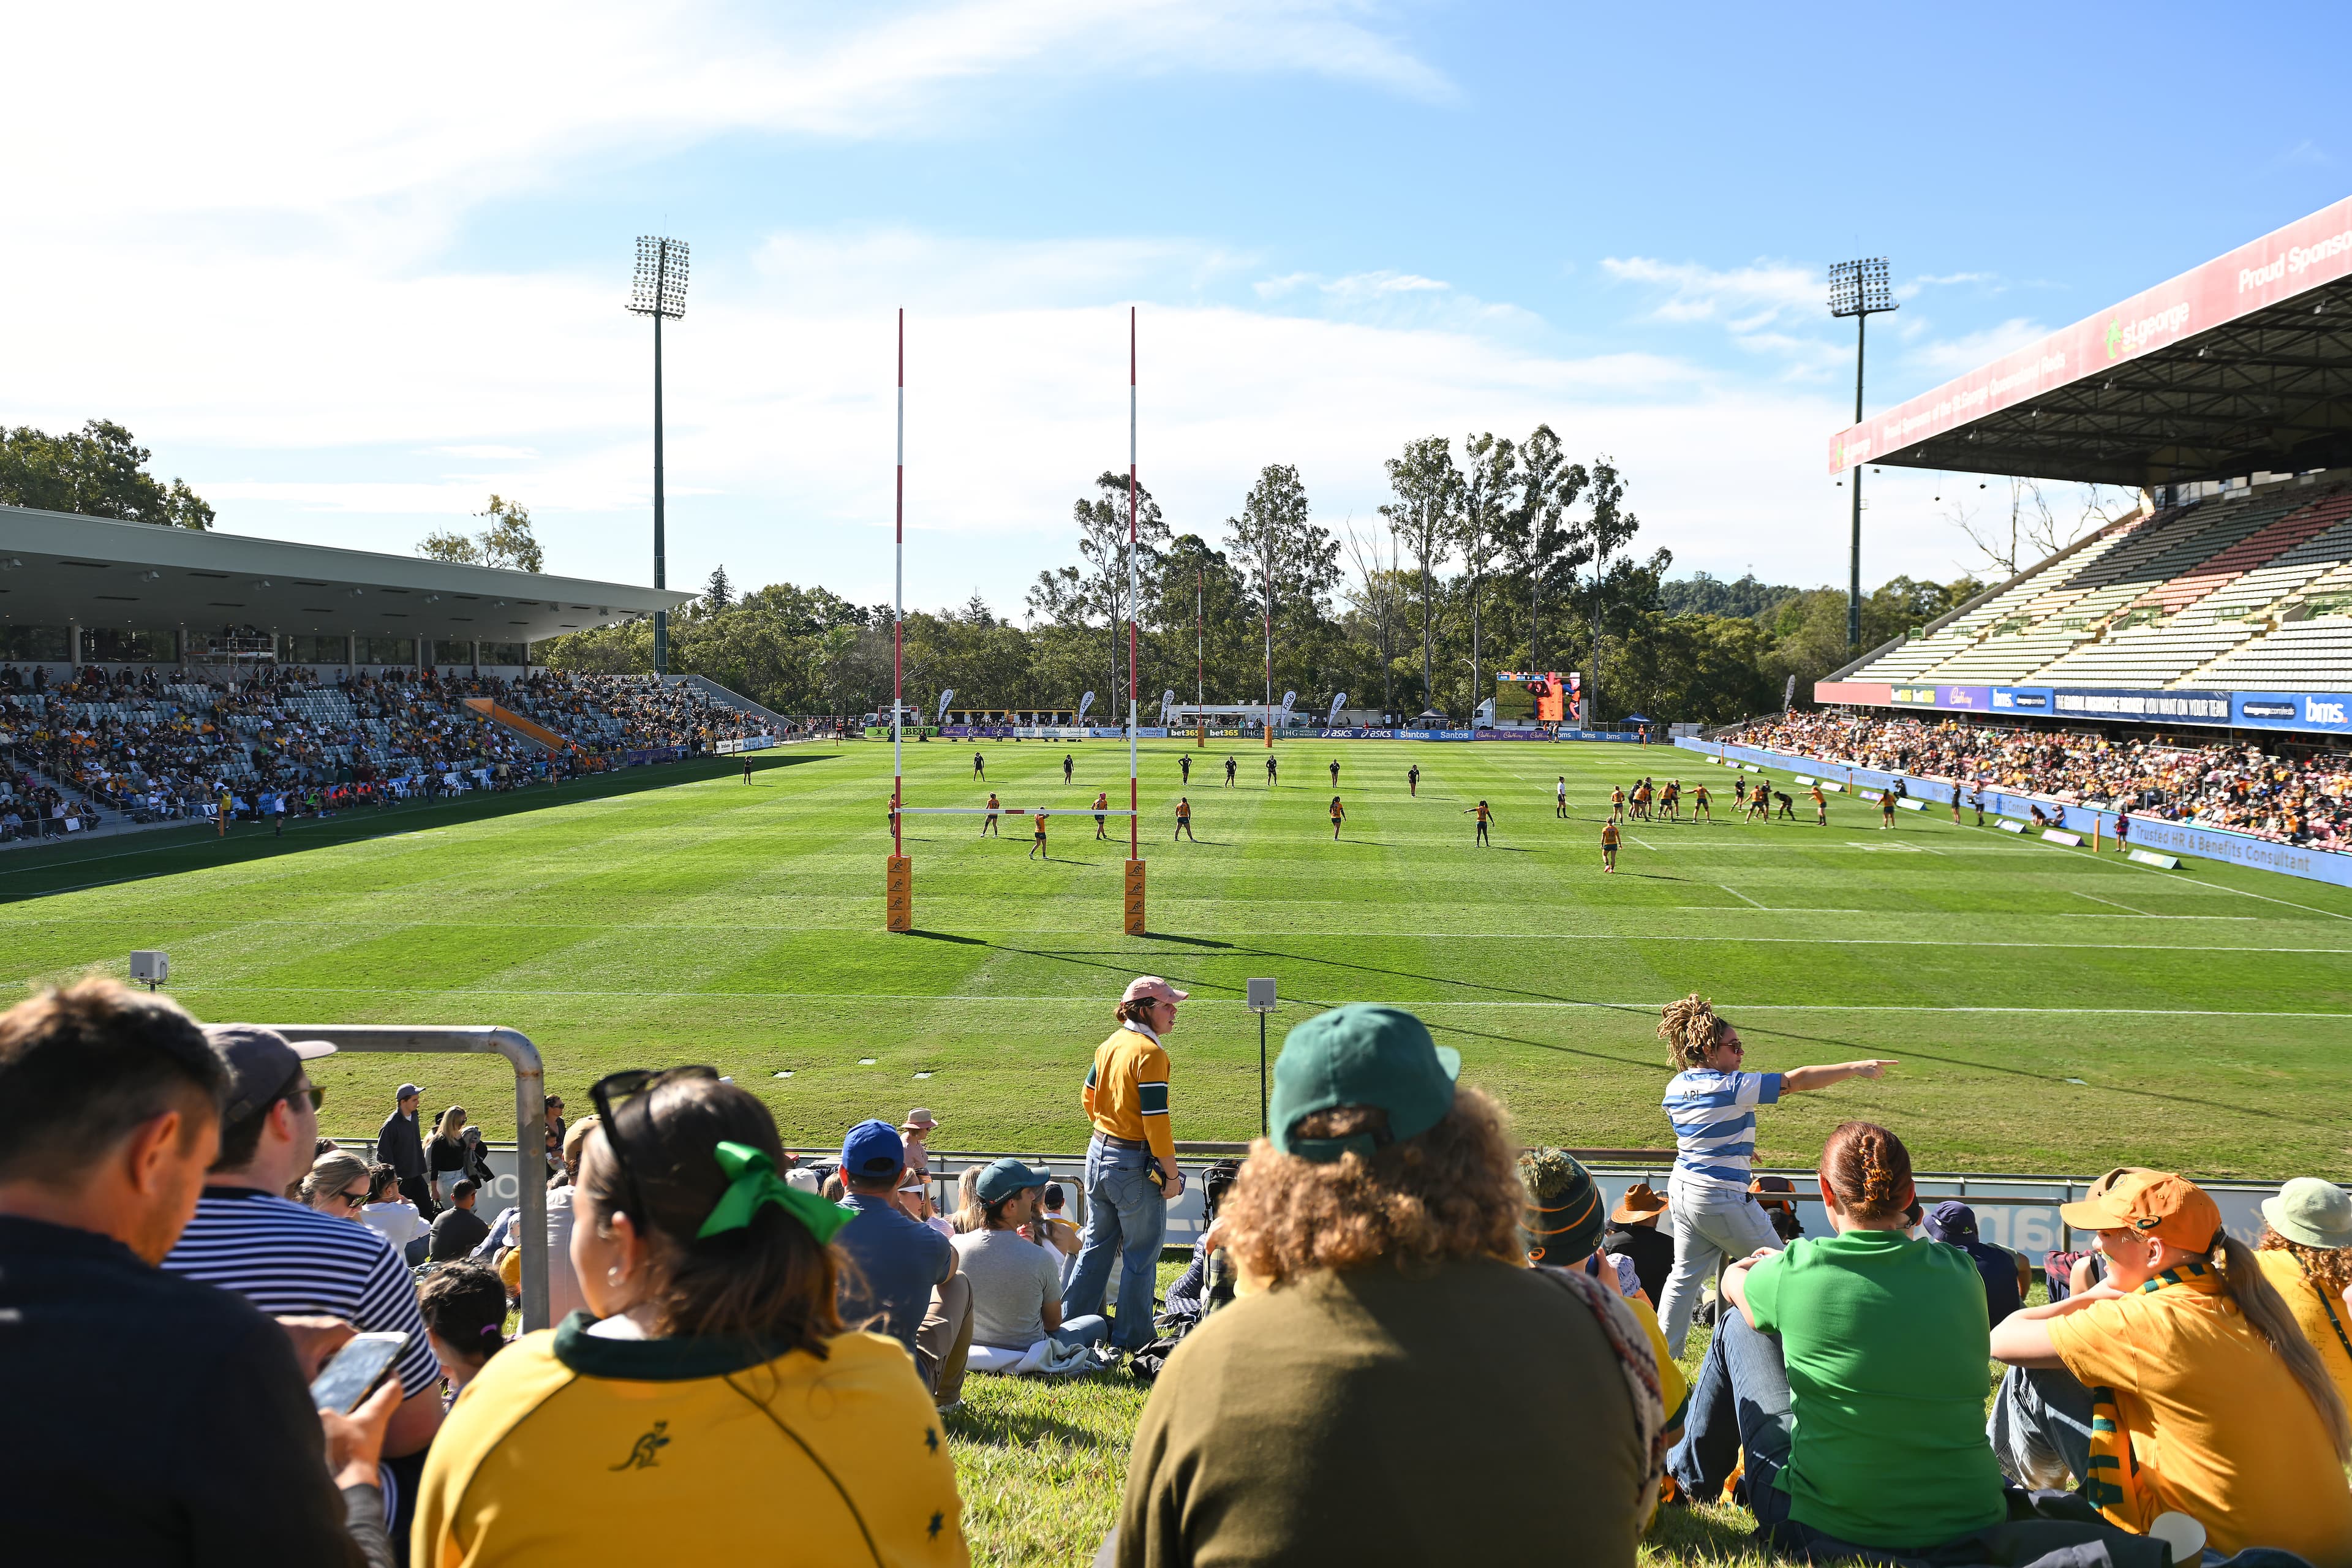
(2267, 1310)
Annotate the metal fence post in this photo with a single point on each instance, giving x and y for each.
(530, 1120)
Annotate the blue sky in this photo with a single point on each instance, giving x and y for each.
(349, 283)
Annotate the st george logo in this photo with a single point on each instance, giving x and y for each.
(641, 1456)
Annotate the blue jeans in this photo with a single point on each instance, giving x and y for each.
(1090, 1330)
(1740, 1402)
(1128, 1218)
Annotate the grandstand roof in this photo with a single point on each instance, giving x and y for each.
(2240, 366)
(57, 567)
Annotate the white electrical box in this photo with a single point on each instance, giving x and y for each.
(151, 964)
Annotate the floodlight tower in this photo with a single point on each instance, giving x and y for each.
(1858, 289)
(659, 291)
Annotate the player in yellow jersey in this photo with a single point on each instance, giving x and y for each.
(1609, 844)
(1184, 820)
(1484, 813)
(1102, 804)
(1821, 807)
(1617, 804)
(1699, 804)
(988, 823)
(1339, 815)
(1037, 846)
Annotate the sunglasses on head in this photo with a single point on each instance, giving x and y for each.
(627, 1091)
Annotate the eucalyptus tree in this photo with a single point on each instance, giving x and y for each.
(1539, 534)
(1425, 483)
(1482, 501)
(1274, 545)
(1076, 595)
(1609, 526)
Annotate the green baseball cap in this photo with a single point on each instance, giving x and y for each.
(1361, 1054)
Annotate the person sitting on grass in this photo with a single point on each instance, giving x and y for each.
(465, 1308)
(906, 1280)
(1394, 1385)
(1207, 1281)
(337, 1185)
(1634, 1234)
(457, 1229)
(2178, 1384)
(1565, 1224)
(1847, 1378)
(2006, 1273)
(2306, 1251)
(708, 1406)
(1016, 1283)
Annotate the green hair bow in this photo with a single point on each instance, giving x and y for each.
(752, 1180)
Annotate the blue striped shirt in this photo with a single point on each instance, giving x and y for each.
(1713, 1115)
(289, 1260)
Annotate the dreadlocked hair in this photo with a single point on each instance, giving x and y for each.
(2267, 1310)
(1690, 1029)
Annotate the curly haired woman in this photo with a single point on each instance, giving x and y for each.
(1713, 1106)
(1397, 1387)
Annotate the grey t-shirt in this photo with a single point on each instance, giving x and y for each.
(1011, 1279)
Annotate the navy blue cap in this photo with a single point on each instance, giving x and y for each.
(872, 1152)
(1952, 1220)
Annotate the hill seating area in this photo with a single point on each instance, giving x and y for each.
(2240, 592)
(2305, 800)
(132, 741)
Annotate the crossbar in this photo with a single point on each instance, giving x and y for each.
(1010, 811)
(530, 1120)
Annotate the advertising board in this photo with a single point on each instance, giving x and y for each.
(2170, 707)
(2329, 712)
(2283, 264)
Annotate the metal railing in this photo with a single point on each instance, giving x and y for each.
(530, 1119)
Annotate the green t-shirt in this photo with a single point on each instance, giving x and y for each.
(1886, 1341)
(1474, 1414)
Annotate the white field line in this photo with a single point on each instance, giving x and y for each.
(2109, 902)
(1093, 1000)
(1740, 896)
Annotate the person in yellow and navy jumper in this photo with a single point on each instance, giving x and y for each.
(1131, 1174)
(709, 1405)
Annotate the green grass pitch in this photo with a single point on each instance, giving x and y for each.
(2051, 1011)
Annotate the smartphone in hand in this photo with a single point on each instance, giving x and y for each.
(357, 1368)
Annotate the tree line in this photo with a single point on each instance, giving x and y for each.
(1499, 555)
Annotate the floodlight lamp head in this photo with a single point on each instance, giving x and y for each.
(660, 286)
(1860, 288)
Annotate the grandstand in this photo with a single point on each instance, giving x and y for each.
(146, 672)
(2224, 396)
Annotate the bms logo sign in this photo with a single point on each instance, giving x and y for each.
(2315, 712)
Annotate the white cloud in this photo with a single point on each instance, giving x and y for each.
(1760, 291)
(1953, 356)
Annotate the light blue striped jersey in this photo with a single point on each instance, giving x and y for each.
(1713, 1115)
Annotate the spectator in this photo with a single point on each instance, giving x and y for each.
(906, 1281)
(1713, 1106)
(1055, 1227)
(1016, 1283)
(712, 1353)
(387, 1212)
(916, 1133)
(555, 1113)
(444, 1156)
(1777, 1196)
(465, 1310)
(336, 1185)
(1636, 1236)
(564, 1296)
(477, 1156)
(401, 1144)
(1848, 1375)
(458, 1230)
(109, 1113)
(1953, 1224)
(283, 1257)
(2178, 1384)
(1563, 1229)
(2306, 1251)
(1327, 1414)
(967, 1218)
(1131, 1175)
(1207, 1283)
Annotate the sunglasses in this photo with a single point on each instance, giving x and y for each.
(626, 1090)
(351, 1199)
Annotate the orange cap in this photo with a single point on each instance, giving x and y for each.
(2148, 1203)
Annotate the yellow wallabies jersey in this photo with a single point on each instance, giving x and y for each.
(571, 1448)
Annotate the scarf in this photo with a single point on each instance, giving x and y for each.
(1639, 1368)
(2112, 1484)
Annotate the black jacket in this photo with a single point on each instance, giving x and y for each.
(399, 1144)
(98, 1353)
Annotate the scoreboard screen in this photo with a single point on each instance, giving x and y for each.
(1534, 699)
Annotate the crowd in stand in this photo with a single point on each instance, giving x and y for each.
(1401, 1340)
(75, 757)
(2293, 800)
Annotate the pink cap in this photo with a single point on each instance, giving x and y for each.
(1154, 988)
